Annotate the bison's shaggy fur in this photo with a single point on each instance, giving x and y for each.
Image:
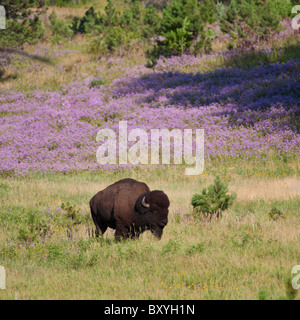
(131, 208)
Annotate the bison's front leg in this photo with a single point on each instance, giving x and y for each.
(134, 232)
(121, 233)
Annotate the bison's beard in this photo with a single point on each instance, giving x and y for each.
(157, 232)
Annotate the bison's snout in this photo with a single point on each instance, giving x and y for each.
(157, 233)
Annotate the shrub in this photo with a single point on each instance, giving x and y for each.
(97, 46)
(22, 24)
(97, 83)
(175, 13)
(182, 24)
(178, 39)
(111, 16)
(72, 214)
(254, 20)
(91, 22)
(109, 42)
(60, 29)
(17, 33)
(275, 214)
(212, 199)
(205, 42)
(65, 3)
(208, 11)
(35, 225)
(151, 22)
(220, 10)
(132, 17)
(114, 38)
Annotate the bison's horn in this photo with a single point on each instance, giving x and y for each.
(144, 204)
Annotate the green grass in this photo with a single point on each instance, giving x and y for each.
(245, 255)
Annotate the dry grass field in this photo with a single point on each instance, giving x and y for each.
(245, 255)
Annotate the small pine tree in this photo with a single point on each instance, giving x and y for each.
(178, 39)
(213, 199)
(111, 14)
(151, 22)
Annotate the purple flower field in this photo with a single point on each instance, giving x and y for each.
(248, 114)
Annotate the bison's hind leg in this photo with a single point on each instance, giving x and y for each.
(100, 228)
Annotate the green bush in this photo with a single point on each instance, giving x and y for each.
(109, 42)
(205, 42)
(72, 215)
(65, 3)
(220, 10)
(59, 28)
(175, 13)
(272, 13)
(213, 199)
(111, 16)
(178, 39)
(253, 20)
(208, 11)
(97, 83)
(132, 18)
(184, 22)
(91, 22)
(275, 214)
(151, 22)
(114, 38)
(97, 46)
(22, 24)
(17, 33)
(35, 225)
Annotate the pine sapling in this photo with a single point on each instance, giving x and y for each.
(213, 199)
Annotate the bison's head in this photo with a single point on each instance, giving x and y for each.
(153, 208)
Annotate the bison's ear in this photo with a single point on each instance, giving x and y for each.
(142, 204)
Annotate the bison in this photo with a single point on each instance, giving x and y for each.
(131, 208)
